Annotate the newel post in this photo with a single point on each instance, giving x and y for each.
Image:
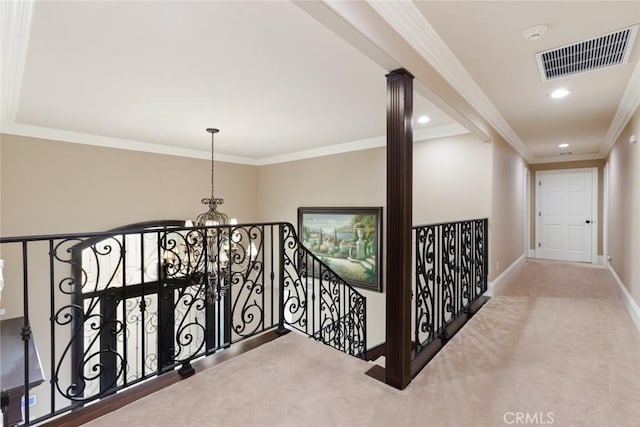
(399, 223)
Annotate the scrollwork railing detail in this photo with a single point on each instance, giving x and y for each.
(320, 303)
(451, 274)
(145, 299)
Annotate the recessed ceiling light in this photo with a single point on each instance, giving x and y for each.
(424, 119)
(560, 93)
(563, 145)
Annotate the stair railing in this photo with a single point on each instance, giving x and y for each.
(100, 312)
(317, 302)
(451, 269)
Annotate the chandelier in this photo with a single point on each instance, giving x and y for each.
(215, 251)
(212, 216)
(222, 243)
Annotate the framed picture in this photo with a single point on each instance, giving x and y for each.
(347, 240)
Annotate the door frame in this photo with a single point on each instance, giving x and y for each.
(594, 207)
(605, 215)
(527, 213)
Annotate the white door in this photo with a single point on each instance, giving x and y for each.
(566, 214)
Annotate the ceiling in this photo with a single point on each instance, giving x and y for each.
(487, 39)
(282, 84)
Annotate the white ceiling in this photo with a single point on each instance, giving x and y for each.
(487, 39)
(269, 76)
(280, 85)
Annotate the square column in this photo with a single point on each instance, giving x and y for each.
(399, 227)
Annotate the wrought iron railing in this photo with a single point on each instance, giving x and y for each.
(319, 303)
(110, 310)
(451, 274)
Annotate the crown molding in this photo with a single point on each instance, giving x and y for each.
(16, 28)
(364, 144)
(147, 147)
(628, 105)
(123, 144)
(410, 23)
(569, 158)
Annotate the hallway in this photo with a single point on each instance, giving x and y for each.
(556, 346)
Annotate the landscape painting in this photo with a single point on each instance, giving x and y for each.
(347, 240)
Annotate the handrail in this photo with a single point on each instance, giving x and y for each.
(438, 224)
(135, 302)
(128, 229)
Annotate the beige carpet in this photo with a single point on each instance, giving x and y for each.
(556, 347)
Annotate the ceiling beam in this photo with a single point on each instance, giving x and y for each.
(411, 24)
(360, 25)
(16, 17)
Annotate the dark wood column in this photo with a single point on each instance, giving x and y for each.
(399, 223)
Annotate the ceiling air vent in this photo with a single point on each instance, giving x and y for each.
(599, 52)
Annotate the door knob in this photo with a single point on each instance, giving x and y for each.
(588, 221)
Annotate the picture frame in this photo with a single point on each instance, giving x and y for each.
(347, 239)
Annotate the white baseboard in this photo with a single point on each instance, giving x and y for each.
(629, 303)
(600, 259)
(499, 282)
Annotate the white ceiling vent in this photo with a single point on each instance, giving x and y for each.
(599, 52)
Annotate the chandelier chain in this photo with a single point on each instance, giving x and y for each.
(212, 165)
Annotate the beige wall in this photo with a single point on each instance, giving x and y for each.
(624, 208)
(452, 180)
(52, 187)
(567, 165)
(506, 225)
(57, 187)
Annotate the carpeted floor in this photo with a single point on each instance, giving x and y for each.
(555, 347)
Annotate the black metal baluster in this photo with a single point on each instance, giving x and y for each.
(432, 284)
(351, 342)
(281, 321)
(261, 274)
(211, 312)
(312, 310)
(473, 291)
(458, 267)
(441, 284)
(416, 286)
(26, 329)
(271, 272)
(342, 316)
(123, 301)
(228, 318)
(52, 310)
(143, 310)
(227, 296)
(485, 248)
